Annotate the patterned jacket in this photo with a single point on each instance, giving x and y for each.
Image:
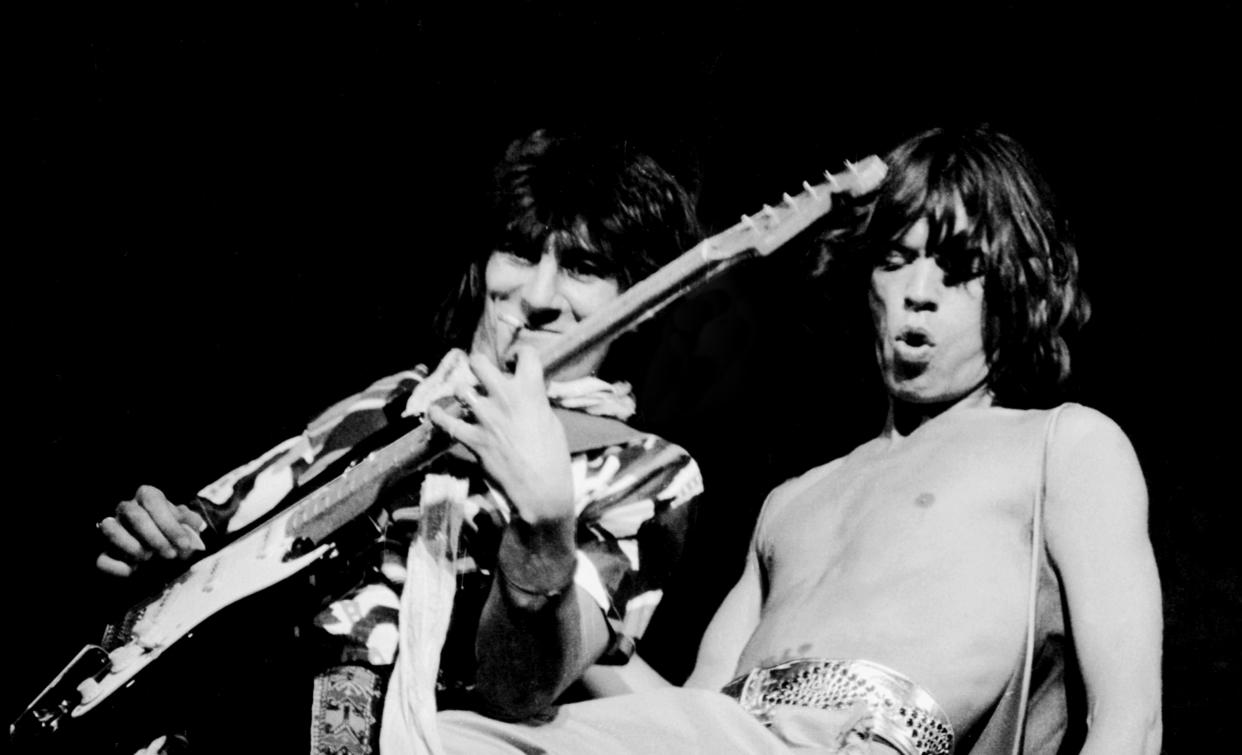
(630, 491)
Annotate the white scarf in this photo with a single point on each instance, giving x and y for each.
(409, 718)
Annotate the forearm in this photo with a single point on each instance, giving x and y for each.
(1137, 729)
(532, 645)
(636, 675)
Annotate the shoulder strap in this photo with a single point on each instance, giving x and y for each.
(1037, 549)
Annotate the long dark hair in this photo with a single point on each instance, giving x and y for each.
(604, 196)
(1012, 232)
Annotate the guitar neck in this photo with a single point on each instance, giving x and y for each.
(639, 303)
(335, 504)
(755, 235)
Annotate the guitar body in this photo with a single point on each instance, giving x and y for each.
(231, 672)
(221, 637)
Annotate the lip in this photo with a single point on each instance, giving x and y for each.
(537, 332)
(533, 337)
(914, 337)
(913, 345)
(907, 353)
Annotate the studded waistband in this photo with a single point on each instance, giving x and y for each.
(903, 713)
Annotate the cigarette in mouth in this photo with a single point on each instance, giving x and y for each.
(510, 319)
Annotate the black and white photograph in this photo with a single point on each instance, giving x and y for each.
(838, 377)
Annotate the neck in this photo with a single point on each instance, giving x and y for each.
(905, 417)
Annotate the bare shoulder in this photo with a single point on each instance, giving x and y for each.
(1081, 424)
(1070, 429)
(1087, 442)
(1093, 471)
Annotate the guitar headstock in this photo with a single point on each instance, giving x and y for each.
(772, 226)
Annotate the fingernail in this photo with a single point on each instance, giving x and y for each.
(192, 541)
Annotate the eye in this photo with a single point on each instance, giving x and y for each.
(583, 265)
(893, 258)
(584, 271)
(961, 269)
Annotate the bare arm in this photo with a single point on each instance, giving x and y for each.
(1097, 534)
(719, 651)
(730, 629)
(635, 675)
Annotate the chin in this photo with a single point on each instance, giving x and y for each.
(916, 397)
(919, 391)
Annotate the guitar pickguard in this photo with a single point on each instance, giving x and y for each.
(253, 563)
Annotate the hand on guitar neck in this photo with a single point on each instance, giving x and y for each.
(148, 530)
(519, 441)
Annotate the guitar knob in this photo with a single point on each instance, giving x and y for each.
(125, 655)
(89, 690)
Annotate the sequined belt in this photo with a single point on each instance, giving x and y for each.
(903, 714)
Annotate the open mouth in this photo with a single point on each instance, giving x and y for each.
(913, 348)
(915, 338)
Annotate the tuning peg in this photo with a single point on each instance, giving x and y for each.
(749, 222)
(832, 179)
(850, 167)
(769, 213)
(789, 201)
(810, 190)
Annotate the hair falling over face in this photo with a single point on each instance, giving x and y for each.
(1010, 236)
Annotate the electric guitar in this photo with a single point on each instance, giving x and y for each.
(310, 530)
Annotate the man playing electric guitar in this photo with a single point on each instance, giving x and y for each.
(573, 224)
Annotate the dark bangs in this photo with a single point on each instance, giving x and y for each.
(1012, 237)
(603, 207)
(600, 202)
(937, 187)
(570, 239)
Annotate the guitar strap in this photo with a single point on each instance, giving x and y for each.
(586, 432)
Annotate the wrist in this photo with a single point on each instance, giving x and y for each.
(551, 537)
(548, 588)
(537, 565)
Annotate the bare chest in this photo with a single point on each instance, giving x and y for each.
(948, 501)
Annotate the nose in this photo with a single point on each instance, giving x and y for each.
(541, 297)
(924, 284)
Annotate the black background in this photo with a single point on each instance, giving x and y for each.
(225, 218)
